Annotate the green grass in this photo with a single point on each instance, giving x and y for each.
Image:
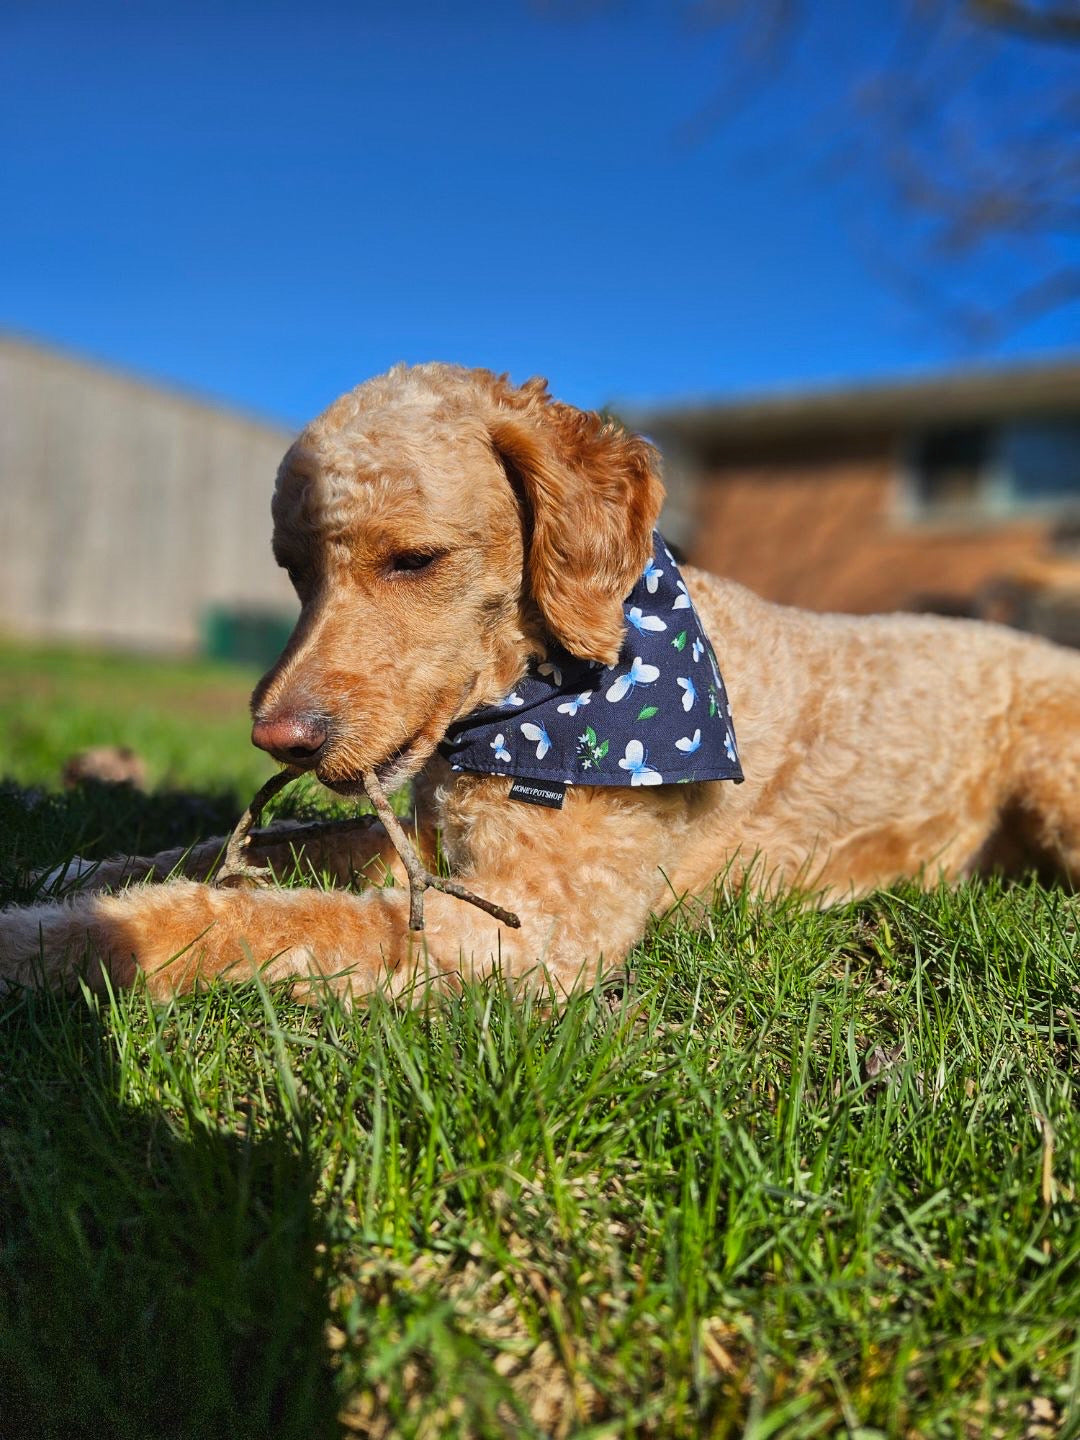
(813, 1174)
(188, 719)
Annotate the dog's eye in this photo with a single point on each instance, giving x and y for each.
(410, 560)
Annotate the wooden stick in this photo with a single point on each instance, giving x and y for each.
(299, 832)
(234, 868)
(421, 879)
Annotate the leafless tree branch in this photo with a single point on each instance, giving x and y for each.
(420, 878)
(235, 869)
(1055, 24)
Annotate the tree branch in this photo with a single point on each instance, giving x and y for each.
(235, 869)
(421, 879)
(1055, 24)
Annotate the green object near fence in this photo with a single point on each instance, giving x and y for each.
(246, 636)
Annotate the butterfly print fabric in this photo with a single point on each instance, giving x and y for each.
(660, 716)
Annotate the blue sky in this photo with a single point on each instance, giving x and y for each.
(269, 202)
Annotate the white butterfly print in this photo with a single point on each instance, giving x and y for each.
(634, 761)
(652, 577)
(540, 735)
(550, 668)
(689, 743)
(638, 674)
(499, 746)
(574, 704)
(697, 650)
(644, 622)
(682, 600)
(689, 692)
(511, 700)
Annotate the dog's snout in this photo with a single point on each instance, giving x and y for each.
(295, 739)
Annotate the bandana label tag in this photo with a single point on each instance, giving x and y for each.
(551, 793)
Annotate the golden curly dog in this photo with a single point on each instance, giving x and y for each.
(441, 527)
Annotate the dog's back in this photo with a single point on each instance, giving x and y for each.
(883, 746)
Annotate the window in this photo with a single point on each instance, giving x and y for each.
(949, 469)
(1043, 461)
(983, 472)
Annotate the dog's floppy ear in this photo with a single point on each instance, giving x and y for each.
(593, 493)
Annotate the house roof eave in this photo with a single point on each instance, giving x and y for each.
(969, 397)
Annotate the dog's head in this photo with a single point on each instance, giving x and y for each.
(439, 526)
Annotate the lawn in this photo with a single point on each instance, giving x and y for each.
(188, 719)
(811, 1174)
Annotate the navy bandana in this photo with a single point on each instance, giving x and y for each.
(660, 716)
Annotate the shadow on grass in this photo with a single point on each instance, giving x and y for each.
(39, 829)
(152, 1283)
(97, 819)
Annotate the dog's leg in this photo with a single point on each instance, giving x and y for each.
(583, 881)
(181, 934)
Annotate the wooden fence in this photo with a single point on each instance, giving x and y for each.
(127, 512)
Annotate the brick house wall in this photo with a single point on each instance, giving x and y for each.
(957, 492)
(827, 532)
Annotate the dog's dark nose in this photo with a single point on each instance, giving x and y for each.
(292, 739)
